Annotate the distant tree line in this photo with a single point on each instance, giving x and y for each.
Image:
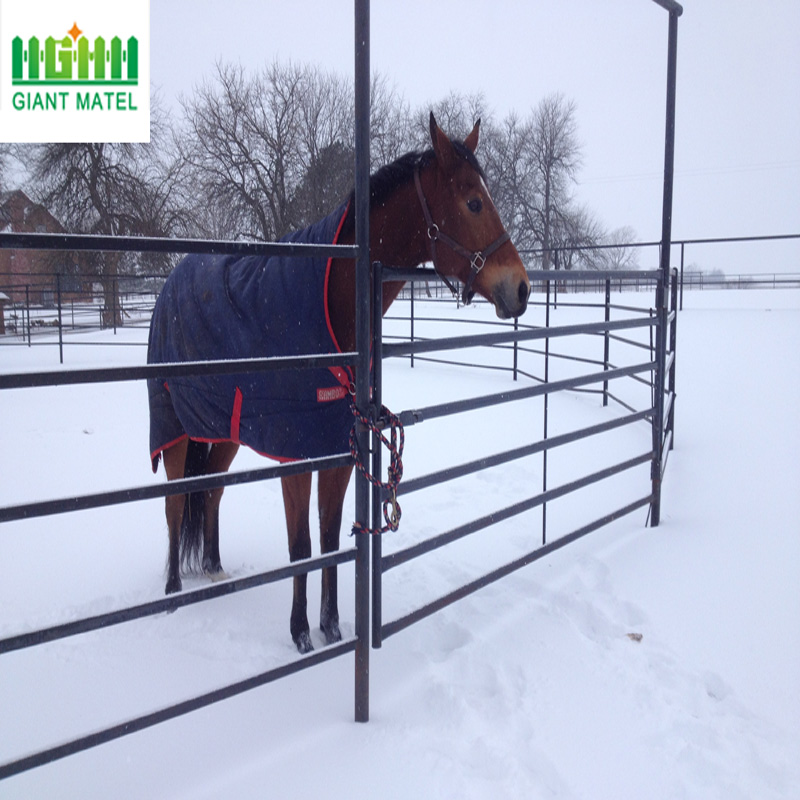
(254, 156)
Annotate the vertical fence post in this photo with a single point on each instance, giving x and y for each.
(663, 283)
(362, 510)
(27, 312)
(606, 340)
(673, 343)
(115, 289)
(683, 248)
(412, 322)
(516, 347)
(546, 410)
(60, 322)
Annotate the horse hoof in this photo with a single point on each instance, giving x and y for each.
(216, 574)
(303, 642)
(332, 633)
(211, 564)
(173, 585)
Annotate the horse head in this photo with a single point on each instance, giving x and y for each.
(467, 240)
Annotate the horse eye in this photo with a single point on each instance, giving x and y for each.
(475, 205)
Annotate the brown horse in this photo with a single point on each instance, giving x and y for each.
(433, 205)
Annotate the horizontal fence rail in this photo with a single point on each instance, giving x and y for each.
(474, 403)
(25, 380)
(176, 710)
(488, 339)
(150, 244)
(173, 602)
(46, 508)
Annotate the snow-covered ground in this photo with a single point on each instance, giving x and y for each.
(531, 688)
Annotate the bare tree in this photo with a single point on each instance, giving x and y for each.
(622, 256)
(554, 152)
(513, 179)
(326, 183)
(455, 113)
(574, 237)
(5, 156)
(271, 153)
(236, 149)
(327, 154)
(111, 189)
(251, 142)
(390, 127)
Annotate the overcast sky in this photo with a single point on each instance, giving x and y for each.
(738, 109)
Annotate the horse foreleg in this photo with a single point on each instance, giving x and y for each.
(174, 463)
(219, 460)
(296, 496)
(332, 487)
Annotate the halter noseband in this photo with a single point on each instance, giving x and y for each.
(476, 259)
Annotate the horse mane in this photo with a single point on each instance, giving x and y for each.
(390, 177)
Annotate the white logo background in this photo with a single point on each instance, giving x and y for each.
(66, 122)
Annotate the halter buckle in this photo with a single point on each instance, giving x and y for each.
(477, 262)
(433, 231)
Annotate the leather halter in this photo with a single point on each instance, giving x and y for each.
(476, 258)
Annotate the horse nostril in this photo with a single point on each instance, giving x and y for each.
(524, 291)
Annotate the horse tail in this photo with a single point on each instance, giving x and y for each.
(191, 540)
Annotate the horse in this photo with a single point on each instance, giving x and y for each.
(432, 205)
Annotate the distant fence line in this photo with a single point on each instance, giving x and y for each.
(35, 313)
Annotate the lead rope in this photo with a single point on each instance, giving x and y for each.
(391, 508)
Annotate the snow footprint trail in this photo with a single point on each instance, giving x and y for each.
(476, 683)
(705, 742)
(520, 679)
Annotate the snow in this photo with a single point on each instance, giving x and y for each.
(533, 687)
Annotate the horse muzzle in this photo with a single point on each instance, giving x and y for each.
(510, 298)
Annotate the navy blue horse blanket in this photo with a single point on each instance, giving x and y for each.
(224, 307)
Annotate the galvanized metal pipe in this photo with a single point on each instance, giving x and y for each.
(362, 510)
(666, 245)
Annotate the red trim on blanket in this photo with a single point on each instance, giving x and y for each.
(236, 416)
(342, 374)
(279, 459)
(156, 454)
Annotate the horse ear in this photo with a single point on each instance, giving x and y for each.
(471, 142)
(442, 146)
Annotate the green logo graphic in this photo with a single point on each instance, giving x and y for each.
(73, 61)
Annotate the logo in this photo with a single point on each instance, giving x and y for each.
(331, 393)
(87, 82)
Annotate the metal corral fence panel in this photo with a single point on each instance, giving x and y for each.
(133, 494)
(23, 322)
(366, 505)
(587, 374)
